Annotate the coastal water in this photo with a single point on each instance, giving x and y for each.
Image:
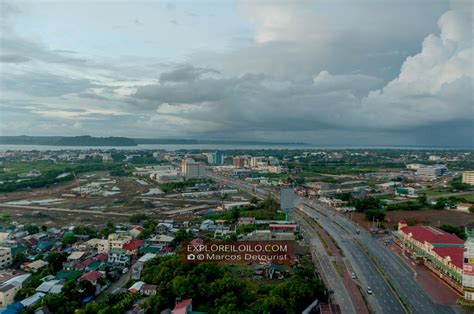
(173, 147)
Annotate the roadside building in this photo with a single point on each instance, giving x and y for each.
(468, 177)
(468, 266)
(440, 251)
(118, 257)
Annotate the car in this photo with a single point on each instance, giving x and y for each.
(369, 290)
(353, 275)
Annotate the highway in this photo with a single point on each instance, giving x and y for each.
(394, 285)
(377, 262)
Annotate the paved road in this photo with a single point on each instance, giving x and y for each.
(376, 266)
(398, 274)
(327, 270)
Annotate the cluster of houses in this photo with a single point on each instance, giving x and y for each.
(98, 261)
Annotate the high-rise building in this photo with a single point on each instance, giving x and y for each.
(216, 158)
(468, 177)
(192, 170)
(468, 266)
(238, 162)
(257, 162)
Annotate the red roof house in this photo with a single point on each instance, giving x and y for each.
(183, 307)
(92, 276)
(132, 246)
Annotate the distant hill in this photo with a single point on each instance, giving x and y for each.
(87, 140)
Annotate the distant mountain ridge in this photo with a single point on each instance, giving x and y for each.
(87, 140)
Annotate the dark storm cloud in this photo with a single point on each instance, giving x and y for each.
(185, 73)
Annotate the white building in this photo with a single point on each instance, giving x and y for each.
(468, 177)
(468, 266)
(256, 162)
(5, 257)
(192, 169)
(431, 171)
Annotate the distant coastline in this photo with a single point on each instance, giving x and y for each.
(90, 141)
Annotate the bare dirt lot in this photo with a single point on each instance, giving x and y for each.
(421, 217)
(97, 198)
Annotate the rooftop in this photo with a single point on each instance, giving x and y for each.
(432, 235)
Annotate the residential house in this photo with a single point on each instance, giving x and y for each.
(9, 288)
(183, 307)
(135, 232)
(161, 240)
(132, 246)
(148, 290)
(137, 268)
(34, 266)
(5, 257)
(73, 259)
(118, 257)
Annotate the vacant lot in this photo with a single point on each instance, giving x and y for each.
(421, 217)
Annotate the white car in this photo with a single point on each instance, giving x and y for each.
(353, 275)
(369, 290)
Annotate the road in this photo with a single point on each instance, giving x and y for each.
(385, 271)
(394, 285)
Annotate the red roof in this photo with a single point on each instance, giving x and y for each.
(132, 245)
(431, 235)
(146, 287)
(101, 257)
(180, 307)
(84, 263)
(456, 253)
(92, 276)
(283, 226)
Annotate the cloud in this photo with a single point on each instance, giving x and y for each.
(435, 85)
(185, 73)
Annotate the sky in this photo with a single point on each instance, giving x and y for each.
(328, 72)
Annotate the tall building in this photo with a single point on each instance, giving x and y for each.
(257, 162)
(468, 266)
(192, 169)
(216, 158)
(238, 162)
(468, 177)
(431, 171)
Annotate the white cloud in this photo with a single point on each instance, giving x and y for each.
(434, 85)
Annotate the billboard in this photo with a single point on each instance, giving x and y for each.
(287, 199)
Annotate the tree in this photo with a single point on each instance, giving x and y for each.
(375, 214)
(55, 261)
(31, 229)
(457, 231)
(422, 199)
(69, 239)
(471, 209)
(254, 200)
(137, 218)
(440, 203)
